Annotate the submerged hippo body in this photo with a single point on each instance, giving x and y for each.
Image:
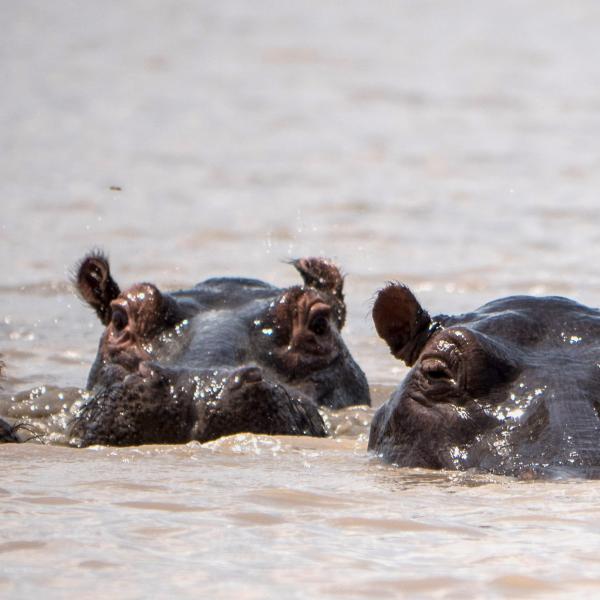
(511, 388)
(227, 356)
(7, 432)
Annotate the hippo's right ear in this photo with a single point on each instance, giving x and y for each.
(95, 285)
(321, 274)
(325, 276)
(401, 322)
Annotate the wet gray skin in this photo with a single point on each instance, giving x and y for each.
(511, 388)
(7, 431)
(229, 355)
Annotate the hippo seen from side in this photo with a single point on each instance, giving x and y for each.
(229, 355)
(510, 388)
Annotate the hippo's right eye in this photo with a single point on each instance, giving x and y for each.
(119, 319)
(319, 325)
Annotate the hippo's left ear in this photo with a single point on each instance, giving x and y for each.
(401, 321)
(95, 284)
(325, 276)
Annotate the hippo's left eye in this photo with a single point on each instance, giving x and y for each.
(436, 370)
(319, 324)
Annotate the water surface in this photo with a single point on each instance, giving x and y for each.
(450, 145)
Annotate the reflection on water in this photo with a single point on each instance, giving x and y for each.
(453, 146)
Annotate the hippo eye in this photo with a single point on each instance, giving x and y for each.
(119, 319)
(436, 370)
(319, 325)
(439, 374)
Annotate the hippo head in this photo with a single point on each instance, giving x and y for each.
(511, 388)
(226, 356)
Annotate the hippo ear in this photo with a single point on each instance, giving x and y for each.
(401, 322)
(325, 276)
(320, 274)
(95, 285)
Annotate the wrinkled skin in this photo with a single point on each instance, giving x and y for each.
(511, 388)
(227, 356)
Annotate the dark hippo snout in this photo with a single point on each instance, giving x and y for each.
(251, 403)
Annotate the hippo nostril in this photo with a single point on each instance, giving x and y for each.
(245, 376)
(253, 375)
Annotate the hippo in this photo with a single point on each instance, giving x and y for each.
(229, 355)
(8, 433)
(512, 388)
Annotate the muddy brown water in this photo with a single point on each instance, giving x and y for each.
(451, 145)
